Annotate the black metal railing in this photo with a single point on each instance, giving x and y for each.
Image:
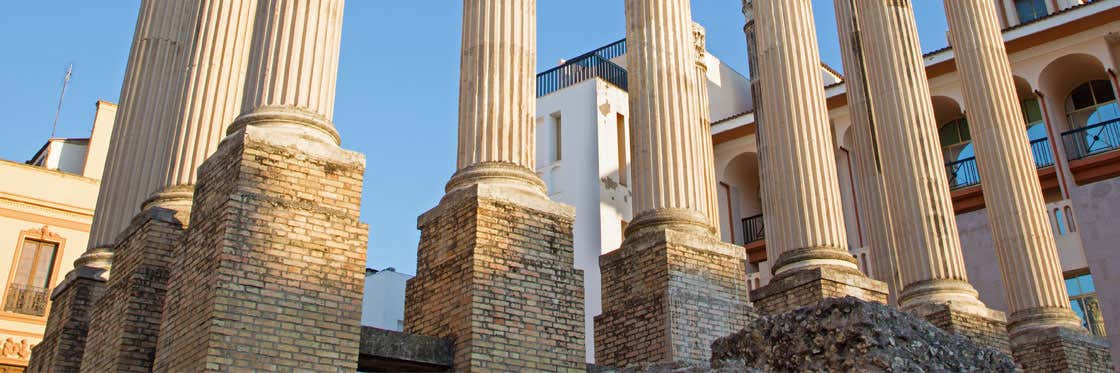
(754, 229)
(594, 64)
(1040, 149)
(962, 173)
(27, 300)
(1094, 139)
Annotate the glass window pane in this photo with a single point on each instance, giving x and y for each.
(1082, 97)
(1102, 90)
(1036, 131)
(1086, 283)
(1031, 111)
(35, 262)
(949, 135)
(965, 134)
(1030, 10)
(1072, 287)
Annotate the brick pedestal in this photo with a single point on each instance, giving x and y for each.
(807, 287)
(64, 340)
(270, 274)
(125, 324)
(984, 326)
(667, 295)
(1061, 350)
(495, 274)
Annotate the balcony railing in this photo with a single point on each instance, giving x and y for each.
(27, 300)
(754, 229)
(1040, 149)
(1091, 140)
(962, 173)
(594, 64)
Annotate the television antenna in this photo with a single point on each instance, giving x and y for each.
(58, 112)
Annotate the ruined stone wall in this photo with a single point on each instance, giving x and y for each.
(67, 327)
(1059, 349)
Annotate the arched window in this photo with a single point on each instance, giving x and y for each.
(1032, 114)
(956, 140)
(1091, 103)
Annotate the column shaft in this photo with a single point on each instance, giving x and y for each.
(871, 192)
(804, 219)
(1028, 255)
(667, 126)
(497, 104)
(704, 141)
(213, 86)
(929, 252)
(145, 119)
(293, 67)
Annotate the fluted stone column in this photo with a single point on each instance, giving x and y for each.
(934, 283)
(1028, 256)
(673, 287)
(155, 66)
(704, 141)
(805, 235)
(275, 229)
(871, 193)
(126, 321)
(496, 247)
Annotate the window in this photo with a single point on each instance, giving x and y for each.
(1091, 103)
(28, 289)
(557, 131)
(623, 151)
(1030, 10)
(1032, 114)
(956, 140)
(1083, 300)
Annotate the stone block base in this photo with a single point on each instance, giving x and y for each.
(270, 274)
(667, 295)
(1061, 350)
(126, 320)
(807, 287)
(983, 326)
(64, 340)
(495, 274)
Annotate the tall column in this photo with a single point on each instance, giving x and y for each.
(704, 141)
(155, 66)
(1028, 256)
(126, 321)
(872, 192)
(673, 287)
(935, 285)
(275, 229)
(805, 235)
(495, 266)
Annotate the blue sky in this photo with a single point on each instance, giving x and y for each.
(397, 91)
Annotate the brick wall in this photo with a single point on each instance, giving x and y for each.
(64, 340)
(989, 330)
(270, 273)
(807, 287)
(125, 324)
(495, 274)
(667, 296)
(1062, 350)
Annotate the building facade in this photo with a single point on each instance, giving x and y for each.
(1064, 56)
(46, 206)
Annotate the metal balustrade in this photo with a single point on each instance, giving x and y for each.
(1091, 140)
(962, 173)
(594, 64)
(1040, 149)
(754, 229)
(26, 300)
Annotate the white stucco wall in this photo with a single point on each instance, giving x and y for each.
(383, 301)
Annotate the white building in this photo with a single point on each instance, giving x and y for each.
(1065, 57)
(383, 301)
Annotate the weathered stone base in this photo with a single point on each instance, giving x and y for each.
(667, 295)
(125, 324)
(270, 274)
(809, 286)
(64, 340)
(495, 274)
(983, 326)
(390, 351)
(1061, 350)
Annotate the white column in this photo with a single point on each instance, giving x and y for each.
(704, 141)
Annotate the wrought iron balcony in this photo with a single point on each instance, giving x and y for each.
(594, 64)
(754, 229)
(27, 300)
(962, 173)
(1091, 140)
(1040, 149)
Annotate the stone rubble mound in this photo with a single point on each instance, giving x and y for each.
(847, 334)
